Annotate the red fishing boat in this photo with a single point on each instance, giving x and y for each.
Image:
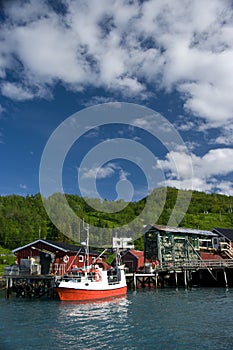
(93, 282)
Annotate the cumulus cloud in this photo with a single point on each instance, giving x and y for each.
(108, 170)
(132, 50)
(97, 172)
(16, 91)
(127, 47)
(206, 170)
(226, 137)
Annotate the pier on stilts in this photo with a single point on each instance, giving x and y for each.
(28, 286)
(185, 274)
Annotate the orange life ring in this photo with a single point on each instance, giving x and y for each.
(97, 276)
(66, 259)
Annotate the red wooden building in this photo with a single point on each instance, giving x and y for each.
(50, 257)
(133, 260)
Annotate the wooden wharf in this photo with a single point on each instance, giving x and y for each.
(30, 286)
(186, 273)
(173, 274)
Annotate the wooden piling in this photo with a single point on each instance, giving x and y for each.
(156, 280)
(134, 282)
(176, 280)
(225, 278)
(185, 279)
(8, 288)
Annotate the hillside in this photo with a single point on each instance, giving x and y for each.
(23, 219)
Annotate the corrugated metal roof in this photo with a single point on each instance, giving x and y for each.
(180, 230)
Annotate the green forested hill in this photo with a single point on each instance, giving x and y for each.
(23, 219)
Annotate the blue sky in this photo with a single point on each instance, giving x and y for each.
(58, 58)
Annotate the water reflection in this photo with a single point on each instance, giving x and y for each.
(92, 325)
(146, 319)
(90, 302)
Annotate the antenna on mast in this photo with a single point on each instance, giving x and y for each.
(87, 229)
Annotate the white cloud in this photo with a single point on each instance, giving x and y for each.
(97, 100)
(212, 102)
(226, 137)
(103, 172)
(206, 170)
(225, 187)
(184, 125)
(23, 186)
(181, 44)
(123, 175)
(97, 172)
(214, 163)
(177, 164)
(16, 92)
(21, 10)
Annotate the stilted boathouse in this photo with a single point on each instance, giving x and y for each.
(175, 244)
(180, 256)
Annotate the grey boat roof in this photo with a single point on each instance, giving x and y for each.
(181, 230)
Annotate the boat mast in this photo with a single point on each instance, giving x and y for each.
(118, 257)
(87, 246)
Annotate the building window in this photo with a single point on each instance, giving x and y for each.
(81, 259)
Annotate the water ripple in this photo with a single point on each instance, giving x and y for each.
(148, 319)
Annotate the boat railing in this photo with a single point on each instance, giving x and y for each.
(113, 282)
(82, 274)
(113, 279)
(196, 264)
(71, 278)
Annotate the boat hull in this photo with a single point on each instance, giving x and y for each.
(72, 294)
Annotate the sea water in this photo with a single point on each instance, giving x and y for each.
(146, 319)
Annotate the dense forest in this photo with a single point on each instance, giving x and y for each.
(24, 219)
